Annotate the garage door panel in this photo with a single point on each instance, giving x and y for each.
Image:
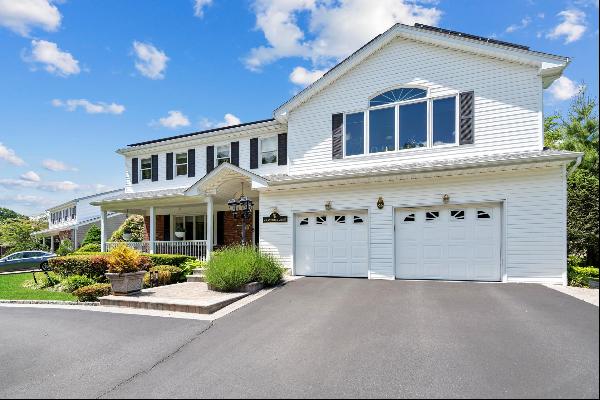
(454, 242)
(332, 244)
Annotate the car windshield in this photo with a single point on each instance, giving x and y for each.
(16, 256)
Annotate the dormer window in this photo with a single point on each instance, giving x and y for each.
(223, 154)
(181, 163)
(401, 119)
(146, 169)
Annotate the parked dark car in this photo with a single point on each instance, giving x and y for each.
(25, 261)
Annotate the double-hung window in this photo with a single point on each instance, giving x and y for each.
(181, 163)
(223, 154)
(268, 150)
(146, 169)
(401, 119)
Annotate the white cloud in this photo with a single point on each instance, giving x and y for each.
(563, 89)
(54, 60)
(27, 200)
(572, 26)
(521, 25)
(335, 29)
(175, 120)
(199, 6)
(31, 176)
(21, 16)
(51, 186)
(10, 156)
(228, 120)
(151, 62)
(55, 165)
(89, 107)
(303, 77)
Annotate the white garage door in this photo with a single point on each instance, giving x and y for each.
(454, 243)
(332, 244)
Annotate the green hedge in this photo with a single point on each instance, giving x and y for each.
(74, 282)
(92, 292)
(232, 267)
(167, 275)
(580, 276)
(95, 265)
(88, 248)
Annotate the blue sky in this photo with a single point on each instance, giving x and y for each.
(79, 79)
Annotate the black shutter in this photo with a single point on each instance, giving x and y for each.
(337, 149)
(167, 227)
(154, 168)
(220, 228)
(467, 111)
(282, 149)
(235, 153)
(169, 166)
(191, 163)
(210, 158)
(134, 171)
(253, 153)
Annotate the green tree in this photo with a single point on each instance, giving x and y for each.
(92, 236)
(134, 225)
(6, 214)
(17, 235)
(579, 132)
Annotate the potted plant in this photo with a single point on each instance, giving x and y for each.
(125, 270)
(127, 234)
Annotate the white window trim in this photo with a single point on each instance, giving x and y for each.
(429, 100)
(142, 169)
(260, 140)
(217, 153)
(187, 164)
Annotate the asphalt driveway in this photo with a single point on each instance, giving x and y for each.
(317, 337)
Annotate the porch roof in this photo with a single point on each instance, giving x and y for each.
(150, 194)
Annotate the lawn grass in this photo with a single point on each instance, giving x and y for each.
(11, 288)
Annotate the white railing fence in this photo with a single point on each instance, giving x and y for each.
(193, 248)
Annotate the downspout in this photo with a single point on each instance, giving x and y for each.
(574, 166)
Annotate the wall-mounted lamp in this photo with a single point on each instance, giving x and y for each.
(380, 202)
(328, 206)
(446, 199)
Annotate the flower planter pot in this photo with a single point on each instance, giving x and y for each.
(179, 235)
(126, 284)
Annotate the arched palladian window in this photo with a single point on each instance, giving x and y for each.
(400, 119)
(397, 95)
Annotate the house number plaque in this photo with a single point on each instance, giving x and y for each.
(275, 217)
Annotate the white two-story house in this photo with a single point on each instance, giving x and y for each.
(420, 156)
(73, 219)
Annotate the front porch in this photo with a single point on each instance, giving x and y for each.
(190, 221)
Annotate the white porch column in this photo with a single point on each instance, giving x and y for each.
(152, 228)
(103, 230)
(209, 226)
(51, 243)
(75, 238)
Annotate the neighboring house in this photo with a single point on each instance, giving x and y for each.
(420, 156)
(72, 220)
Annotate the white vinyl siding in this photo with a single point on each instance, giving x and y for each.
(533, 203)
(507, 105)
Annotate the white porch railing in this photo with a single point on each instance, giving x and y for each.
(193, 248)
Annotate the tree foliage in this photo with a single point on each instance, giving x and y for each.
(92, 236)
(17, 235)
(134, 225)
(6, 214)
(579, 132)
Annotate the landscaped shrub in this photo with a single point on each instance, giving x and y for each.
(92, 292)
(74, 282)
(42, 281)
(92, 236)
(88, 248)
(167, 275)
(190, 265)
(134, 225)
(580, 276)
(93, 266)
(123, 259)
(232, 267)
(169, 259)
(65, 248)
